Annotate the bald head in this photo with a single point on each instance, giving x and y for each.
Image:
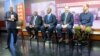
(35, 13)
(11, 9)
(49, 10)
(85, 7)
(67, 9)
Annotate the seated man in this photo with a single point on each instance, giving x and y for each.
(66, 23)
(85, 23)
(35, 24)
(49, 24)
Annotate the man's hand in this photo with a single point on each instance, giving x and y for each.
(83, 27)
(46, 25)
(64, 26)
(11, 19)
(31, 26)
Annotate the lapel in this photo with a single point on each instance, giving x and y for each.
(9, 13)
(36, 18)
(32, 18)
(67, 16)
(50, 17)
(46, 18)
(36, 21)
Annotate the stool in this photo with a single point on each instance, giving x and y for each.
(82, 43)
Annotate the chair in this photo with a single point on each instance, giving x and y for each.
(65, 35)
(20, 28)
(85, 41)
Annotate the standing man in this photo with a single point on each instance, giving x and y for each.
(11, 18)
(35, 24)
(49, 24)
(66, 23)
(85, 23)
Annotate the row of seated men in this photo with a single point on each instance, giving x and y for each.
(49, 23)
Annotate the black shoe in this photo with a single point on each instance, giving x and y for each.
(60, 40)
(7, 47)
(31, 37)
(44, 40)
(15, 44)
(35, 37)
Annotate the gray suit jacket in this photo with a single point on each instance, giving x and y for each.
(38, 21)
(69, 19)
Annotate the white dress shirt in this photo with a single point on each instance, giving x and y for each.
(34, 20)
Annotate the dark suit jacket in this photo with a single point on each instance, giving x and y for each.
(69, 20)
(38, 21)
(11, 24)
(52, 21)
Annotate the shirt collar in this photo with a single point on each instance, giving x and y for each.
(86, 12)
(34, 16)
(49, 14)
(66, 12)
(11, 12)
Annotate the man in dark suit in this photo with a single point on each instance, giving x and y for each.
(49, 24)
(66, 23)
(35, 24)
(11, 18)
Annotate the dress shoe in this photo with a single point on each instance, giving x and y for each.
(60, 39)
(7, 47)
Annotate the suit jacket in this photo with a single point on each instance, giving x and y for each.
(11, 24)
(52, 20)
(69, 19)
(38, 21)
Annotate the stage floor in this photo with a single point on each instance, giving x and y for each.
(26, 48)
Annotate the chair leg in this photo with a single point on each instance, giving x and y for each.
(56, 37)
(89, 45)
(31, 38)
(22, 35)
